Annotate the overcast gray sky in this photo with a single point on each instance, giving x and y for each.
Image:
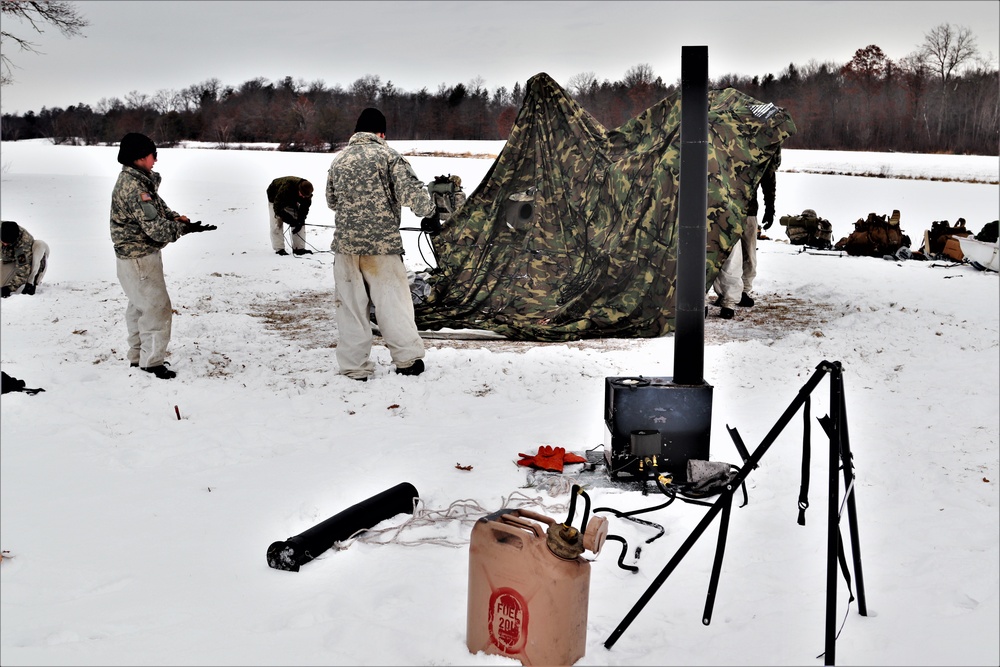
(147, 46)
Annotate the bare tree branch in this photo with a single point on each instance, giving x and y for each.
(948, 47)
(38, 14)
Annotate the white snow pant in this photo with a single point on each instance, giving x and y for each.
(749, 242)
(149, 314)
(729, 283)
(740, 268)
(379, 280)
(278, 232)
(39, 264)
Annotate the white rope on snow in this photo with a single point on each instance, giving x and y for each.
(465, 512)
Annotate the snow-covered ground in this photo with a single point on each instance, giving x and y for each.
(132, 536)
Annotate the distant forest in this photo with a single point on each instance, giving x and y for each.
(943, 98)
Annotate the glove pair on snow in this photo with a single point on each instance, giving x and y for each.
(550, 458)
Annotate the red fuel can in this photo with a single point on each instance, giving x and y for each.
(524, 601)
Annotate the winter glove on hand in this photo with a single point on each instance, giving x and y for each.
(192, 227)
(768, 218)
(5, 292)
(297, 227)
(431, 224)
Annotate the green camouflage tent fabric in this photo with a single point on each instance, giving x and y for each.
(572, 233)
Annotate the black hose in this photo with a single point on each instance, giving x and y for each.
(629, 516)
(572, 504)
(621, 557)
(586, 511)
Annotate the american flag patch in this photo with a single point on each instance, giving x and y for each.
(145, 197)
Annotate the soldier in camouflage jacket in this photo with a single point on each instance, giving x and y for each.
(288, 202)
(24, 259)
(141, 225)
(367, 185)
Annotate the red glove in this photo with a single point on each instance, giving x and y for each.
(550, 458)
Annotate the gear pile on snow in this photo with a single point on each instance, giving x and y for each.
(875, 236)
(808, 229)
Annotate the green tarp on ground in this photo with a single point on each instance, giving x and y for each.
(572, 234)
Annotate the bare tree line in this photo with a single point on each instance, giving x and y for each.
(942, 98)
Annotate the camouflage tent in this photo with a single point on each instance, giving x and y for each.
(573, 231)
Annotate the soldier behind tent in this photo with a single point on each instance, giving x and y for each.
(288, 201)
(25, 259)
(735, 281)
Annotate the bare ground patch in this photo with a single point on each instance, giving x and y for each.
(308, 320)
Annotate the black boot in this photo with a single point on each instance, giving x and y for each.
(160, 371)
(281, 252)
(416, 368)
(745, 301)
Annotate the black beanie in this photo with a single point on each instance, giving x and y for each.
(371, 120)
(9, 232)
(134, 147)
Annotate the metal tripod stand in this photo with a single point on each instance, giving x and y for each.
(835, 426)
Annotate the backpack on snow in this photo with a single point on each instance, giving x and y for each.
(808, 229)
(941, 240)
(988, 234)
(11, 383)
(875, 236)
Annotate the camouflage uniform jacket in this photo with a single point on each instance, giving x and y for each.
(20, 254)
(141, 222)
(289, 205)
(366, 186)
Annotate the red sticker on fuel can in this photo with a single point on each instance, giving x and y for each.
(508, 620)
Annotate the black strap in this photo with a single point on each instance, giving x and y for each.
(842, 557)
(804, 486)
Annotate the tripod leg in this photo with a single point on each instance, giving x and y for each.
(847, 460)
(832, 544)
(720, 550)
(751, 463)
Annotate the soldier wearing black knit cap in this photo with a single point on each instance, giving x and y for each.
(367, 185)
(141, 225)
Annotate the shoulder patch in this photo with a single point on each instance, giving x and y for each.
(145, 197)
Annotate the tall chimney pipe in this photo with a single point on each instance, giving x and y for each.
(689, 335)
